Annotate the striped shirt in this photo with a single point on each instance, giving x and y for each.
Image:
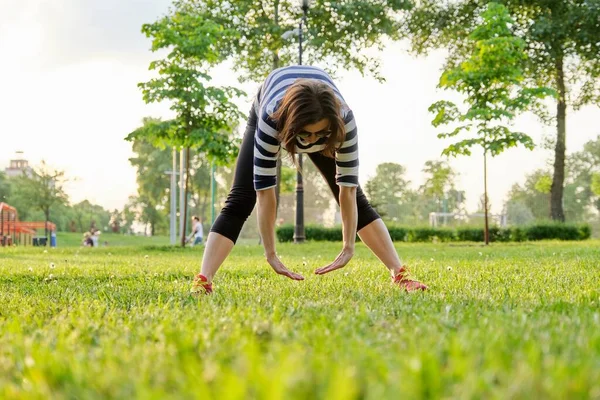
(267, 145)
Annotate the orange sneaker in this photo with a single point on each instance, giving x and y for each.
(403, 280)
(200, 286)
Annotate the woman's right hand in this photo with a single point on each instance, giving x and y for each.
(281, 269)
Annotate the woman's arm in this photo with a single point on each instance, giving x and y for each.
(349, 222)
(267, 213)
(349, 216)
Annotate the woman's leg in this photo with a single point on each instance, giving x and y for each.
(238, 207)
(371, 229)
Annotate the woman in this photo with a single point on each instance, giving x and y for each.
(300, 109)
(197, 232)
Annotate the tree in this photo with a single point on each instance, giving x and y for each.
(43, 189)
(390, 192)
(128, 215)
(153, 183)
(534, 195)
(89, 217)
(492, 80)
(561, 41)
(529, 196)
(4, 188)
(204, 114)
(337, 35)
(200, 185)
(583, 168)
(439, 181)
(596, 184)
(438, 193)
(115, 221)
(150, 215)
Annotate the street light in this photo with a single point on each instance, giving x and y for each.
(299, 236)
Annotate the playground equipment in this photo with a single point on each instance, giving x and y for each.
(13, 231)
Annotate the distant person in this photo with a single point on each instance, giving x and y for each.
(96, 238)
(300, 109)
(197, 232)
(87, 240)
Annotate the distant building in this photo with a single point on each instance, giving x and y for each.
(18, 166)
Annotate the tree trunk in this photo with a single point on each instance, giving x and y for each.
(558, 180)
(185, 193)
(486, 232)
(47, 214)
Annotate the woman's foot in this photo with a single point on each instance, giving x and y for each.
(201, 285)
(403, 280)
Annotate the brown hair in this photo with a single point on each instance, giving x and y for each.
(306, 102)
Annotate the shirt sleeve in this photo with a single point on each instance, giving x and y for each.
(346, 157)
(266, 152)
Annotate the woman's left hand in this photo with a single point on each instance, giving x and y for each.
(341, 260)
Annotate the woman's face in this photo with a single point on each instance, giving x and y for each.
(313, 132)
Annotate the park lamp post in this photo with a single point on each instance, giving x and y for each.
(299, 236)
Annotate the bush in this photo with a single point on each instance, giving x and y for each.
(431, 234)
(558, 231)
(544, 231)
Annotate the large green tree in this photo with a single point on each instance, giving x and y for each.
(491, 79)
(561, 41)
(89, 216)
(153, 183)
(530, 201)
(438, 193)
(204, 114)
(390, 193)
(42, 189)
(583, 172)
(337, 36)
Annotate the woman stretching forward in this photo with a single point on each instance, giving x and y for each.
(300, 109)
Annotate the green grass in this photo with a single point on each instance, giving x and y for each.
(508, 321)
(68, 239)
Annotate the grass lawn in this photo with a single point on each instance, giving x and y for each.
(508, 321)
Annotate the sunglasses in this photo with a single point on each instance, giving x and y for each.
(320, 134)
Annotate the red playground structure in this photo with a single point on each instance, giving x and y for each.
(13, 231)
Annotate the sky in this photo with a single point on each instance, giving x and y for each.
(68, 95)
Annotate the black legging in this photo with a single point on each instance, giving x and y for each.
(242, 196)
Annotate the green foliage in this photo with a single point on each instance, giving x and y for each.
(336, 37)
(41, 189)
(391, 194)
(427, 234)
(596, 184)
(544, 184)
(541, 231)
(491, 77)
(5, 188)
(550, 30)
(88, 216)
(389, 190)
(579, 198)
(288, 180)
(204, 114)
(560, 40)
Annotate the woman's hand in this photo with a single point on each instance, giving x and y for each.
(341, 260)
(281, 269)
